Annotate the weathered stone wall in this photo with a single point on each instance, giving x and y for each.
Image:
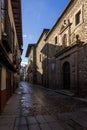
(74, 29)
(66, 25)
(69, 56)
(31, 68)
(40, 56)
(82, 67)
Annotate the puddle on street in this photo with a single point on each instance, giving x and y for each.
(30, 104)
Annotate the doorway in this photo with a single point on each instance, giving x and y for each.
(8, 85)
(66, 75)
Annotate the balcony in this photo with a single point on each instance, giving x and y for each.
(14, 59)
(4, 59)
(7, 32)
(5, 42)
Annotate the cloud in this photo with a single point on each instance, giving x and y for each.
(30, 36)
(23, 63)
(24, 35)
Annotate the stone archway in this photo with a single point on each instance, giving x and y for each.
(66, 75)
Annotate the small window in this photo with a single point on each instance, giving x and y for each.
(64, 40)
(40, 57)
(78, 17)
(56, 40)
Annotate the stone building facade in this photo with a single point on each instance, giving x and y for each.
(61, 53)
(31, 66)
(67, 57)
(10, 48)
(40, 57)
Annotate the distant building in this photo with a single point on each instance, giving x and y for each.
(40, 56)
(10, 48)
(31, 66)
(23, 73)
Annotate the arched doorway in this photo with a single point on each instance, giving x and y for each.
(66, 75)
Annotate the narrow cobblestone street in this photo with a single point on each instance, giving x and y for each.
(34, 108)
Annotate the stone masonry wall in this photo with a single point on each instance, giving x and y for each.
(39, 56)
(71, 30)
(82, 54)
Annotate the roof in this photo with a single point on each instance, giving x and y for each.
(16, 7)
(29, 48)
(45, 30)
(70, 3)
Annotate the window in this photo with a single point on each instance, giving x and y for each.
(40, 57)
(64, 40)
(78, 17)
(56, 40)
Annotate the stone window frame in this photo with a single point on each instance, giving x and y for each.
(56, 40)
(64, 30)
(80, 10)
(40, 58)
(78, 18)
(64, 40)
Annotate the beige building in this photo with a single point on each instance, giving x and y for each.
(10, 48)
(40, 56)
(31, 66)
(67, 51)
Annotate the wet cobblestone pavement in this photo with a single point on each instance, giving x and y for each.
(35, 108)
(36, 100)
(46, 106)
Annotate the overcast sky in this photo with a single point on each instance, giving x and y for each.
(37, 15)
